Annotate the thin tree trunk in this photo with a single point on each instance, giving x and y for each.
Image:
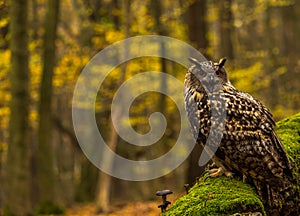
(104, 180)
(290, 54)
(65, 156)
(272, 91)
(159, 27)
(46, 182)
(17, 199)
(35, 20)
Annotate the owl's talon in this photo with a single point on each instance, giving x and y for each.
(216, 172)
(229, 174)
(213, 173)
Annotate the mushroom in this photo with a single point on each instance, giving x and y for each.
(165, 203)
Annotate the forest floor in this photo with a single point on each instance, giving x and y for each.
(148, 208)
(144, 208)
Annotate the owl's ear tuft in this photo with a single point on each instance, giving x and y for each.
(222, 62)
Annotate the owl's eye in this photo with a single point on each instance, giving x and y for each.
(219, 73)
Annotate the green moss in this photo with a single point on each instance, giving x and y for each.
(225, 196)
(288, 131)
(217, 196)
(49, 208)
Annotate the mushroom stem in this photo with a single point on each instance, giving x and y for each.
(187, 187)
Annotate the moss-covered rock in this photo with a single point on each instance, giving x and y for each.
(288, 131)
(225, 196)
(217, 196)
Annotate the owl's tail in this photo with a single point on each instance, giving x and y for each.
(283, 201)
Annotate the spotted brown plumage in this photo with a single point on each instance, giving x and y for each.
(249, 145)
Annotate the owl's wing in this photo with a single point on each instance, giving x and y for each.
(252, 143)
(197, 116)
(191, 107)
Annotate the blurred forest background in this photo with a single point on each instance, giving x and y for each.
(44, 45)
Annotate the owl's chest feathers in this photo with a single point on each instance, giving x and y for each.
(229, 115)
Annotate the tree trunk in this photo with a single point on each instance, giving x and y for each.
(226, 27)
(104, 180)
(289, 94)
(196, 19)
(17, 199)
(46, 179)
(197, 26)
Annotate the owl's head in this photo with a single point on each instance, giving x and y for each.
(206, 75)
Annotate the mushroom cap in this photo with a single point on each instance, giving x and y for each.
(163, 192)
